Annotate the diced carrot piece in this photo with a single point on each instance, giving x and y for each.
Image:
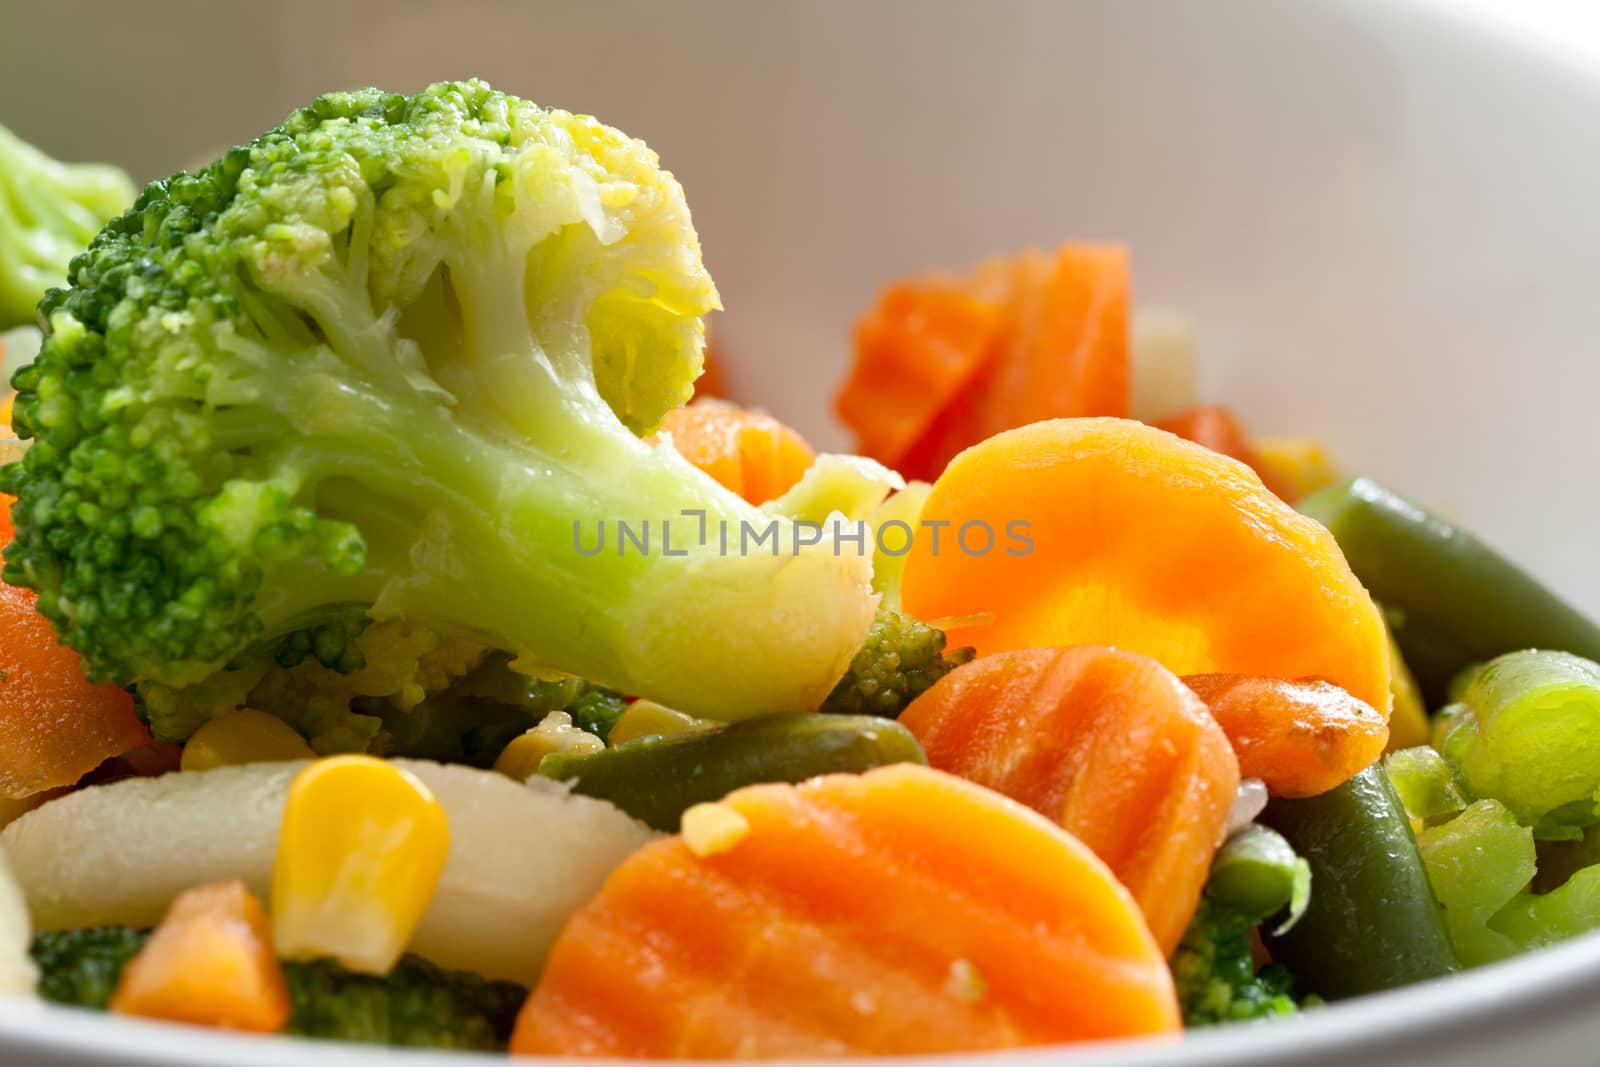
(210, 962)
(1216, 427)
(55, 726)
(916, 351)
(902, 911)
(1300, 737)
(1146, 542)
(6, 403)
(752, 454)
(712, 383)
(1109, 744)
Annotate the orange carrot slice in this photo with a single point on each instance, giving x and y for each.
(1216, 427)
(916, 351)
(752, 454)
(1061, 350)
(210, 962)
(897, 912)
(55, 726)
(6, 403)
(941, 364)
(1146, 542)
(1300, 737)
(1109, 744)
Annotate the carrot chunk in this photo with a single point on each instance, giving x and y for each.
(752, 454)
(210, 962)
(1146, 542)
(55, 726)
(1109, 744)
(902, 911)
(941, 365)
(1300, 737)
(916, 351)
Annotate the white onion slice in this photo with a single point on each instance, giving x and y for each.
(522, 857)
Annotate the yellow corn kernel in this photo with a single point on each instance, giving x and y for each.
(360, 851)
(712, 828)
(244, 736)
(646, 718)
(1302, 465)
(521, 758)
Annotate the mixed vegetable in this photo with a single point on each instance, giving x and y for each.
(403, 639)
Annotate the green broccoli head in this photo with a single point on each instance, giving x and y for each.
(898, 662)
(49, 211)
(416, 1004)
(1216, 975)
(391, 357)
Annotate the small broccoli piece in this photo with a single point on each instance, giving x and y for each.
(597, 711)
(1216, 974)
(417, 1004)
(336, 683)
(395, 355)
(49, 212)
(477, 716)
(80, 968)
(899, 661)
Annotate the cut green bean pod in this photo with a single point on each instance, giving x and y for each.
(1373, 922)
(1425, 783)
(1477, 864)
(1452, 600)
(1528, 736)
(656, 779)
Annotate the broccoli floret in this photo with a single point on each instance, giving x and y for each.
(393, 356)
(474, 719)
(49, 211)
(1216, 975)
(416, 1004)
(81, 967)
(597, 711)
(898, 662)
(335, 684)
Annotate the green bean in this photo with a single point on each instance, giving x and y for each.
(656, 779)
(1373, 922)
(1451, 599)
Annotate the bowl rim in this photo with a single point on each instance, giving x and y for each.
(1549, 984)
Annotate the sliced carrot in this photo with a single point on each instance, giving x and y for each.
(916, 351)
(1109, 744)
(210, 962)
(902, 911)
(752, 454)
(55, 726)
(1146, 542)
(1218, 429)
(1300, 737)
(941, 365)
(712, 383)
(1061, 350)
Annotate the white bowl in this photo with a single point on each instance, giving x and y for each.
(1381, 217)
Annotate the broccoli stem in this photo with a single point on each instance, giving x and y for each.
(486, 543)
